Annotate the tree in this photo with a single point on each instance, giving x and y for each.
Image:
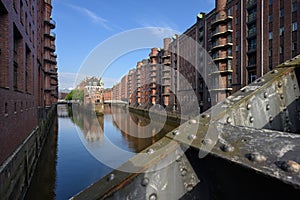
(75, 95)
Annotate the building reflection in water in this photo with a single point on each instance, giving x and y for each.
(92, 126)
(139, 131)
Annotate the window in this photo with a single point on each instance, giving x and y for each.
(229, 52)
(294, 26)
(270, 52)
(270, 18)
(229, 80)
(281, 12)
(294, 46)
(281, 49)
(294, 7)
(270, 35)
(251, 76)
(270, 2)
(5, 108)
(237, 6)
(281, 31)
(237, 48)
(230, 11)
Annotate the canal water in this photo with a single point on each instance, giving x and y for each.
(86, 147)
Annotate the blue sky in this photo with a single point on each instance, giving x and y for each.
(84, 25)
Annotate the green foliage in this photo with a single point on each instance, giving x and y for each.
(75, 95)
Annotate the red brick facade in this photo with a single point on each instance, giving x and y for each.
(28, 82)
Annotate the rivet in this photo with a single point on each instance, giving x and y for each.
(178, 158)
(150, 151)
(248, 106)
(153, 196)
(189, 187)
(176, 132)
(290, 166)
(281, 96)
(295, 86)
(229, 120)
(192, 121)
(265, 95)
(268, 107)
(275, 71)
(271, 119)
(205, 115)
(111, 177)
(145, 181)
(251, 119)
(207, 141)
(260, 80)
(227, 148)
(244, 90)
(279, 84)
(256, 157)
(284, 108)
(192, 137)
(183, 171)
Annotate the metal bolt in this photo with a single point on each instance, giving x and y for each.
(207, 141)
(279, 84)
(110, 177)
(150, 151)
(205, 115)
(176, 132)
(251, 119)
(290, 166)
(192, 137)
(178, 158)
(189, 187)
(153, 196)
(227, 148)
(192, 121)
(275, 71)
(281, 96)
(183, 171)
(244, 90)
(284, 108)
(260, 80)
(145, 181)
(268, 107)
(271, 119)
(248, 106)
(266, 95)
(229, 120)
(256, 157)
(295, 86)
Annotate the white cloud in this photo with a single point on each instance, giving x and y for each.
(93, 16)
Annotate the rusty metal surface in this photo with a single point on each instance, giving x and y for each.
(163, 168)
(256, 128)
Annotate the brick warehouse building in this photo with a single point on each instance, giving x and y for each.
(244, 40)
(28, 72)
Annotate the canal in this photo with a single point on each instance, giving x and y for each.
(85, 147)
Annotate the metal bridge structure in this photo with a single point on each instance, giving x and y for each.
(246, 147)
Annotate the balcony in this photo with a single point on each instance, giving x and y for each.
(153, 75)
(50, 60)
(251, 4)
(217, 45)
(50, 47)
(166, 56)
(217, 33)
(219, 20)
(217, 89)
(167, 62)
(51, 23)
(50, 35)
(153, 69)
(221, 71)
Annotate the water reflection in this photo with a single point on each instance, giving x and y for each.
(70, 160)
